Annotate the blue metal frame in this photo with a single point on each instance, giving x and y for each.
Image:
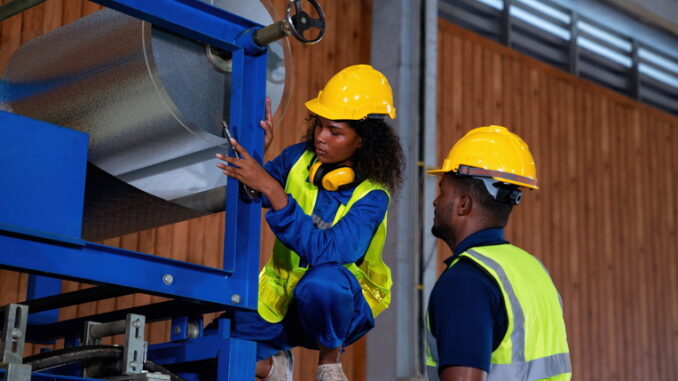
(47, 250)
(194, 19)
(51, 377)
(241, 251)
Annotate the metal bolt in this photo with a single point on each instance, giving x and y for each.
(235, 298)
(134, 364)
(167, 279)
(16, 333)
(136, 323)
(177, 330)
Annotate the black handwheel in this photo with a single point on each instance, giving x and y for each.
(301, 21)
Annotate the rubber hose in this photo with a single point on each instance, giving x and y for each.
(52, 359)
(60, 357)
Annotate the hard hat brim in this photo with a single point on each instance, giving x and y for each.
(319, 109)
(443, 171)
(437, 171)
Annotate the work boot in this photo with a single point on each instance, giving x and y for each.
(330, 372)
(281, 367)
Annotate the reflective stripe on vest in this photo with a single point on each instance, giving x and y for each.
(282, 272)
(516, 358)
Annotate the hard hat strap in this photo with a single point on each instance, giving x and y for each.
(504, 194)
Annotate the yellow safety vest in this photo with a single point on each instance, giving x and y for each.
(282, 272)
(535, 344)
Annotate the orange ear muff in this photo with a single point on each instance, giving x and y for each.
(331, 177)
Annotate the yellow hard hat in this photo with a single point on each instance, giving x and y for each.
(495, 152)
(354, 93)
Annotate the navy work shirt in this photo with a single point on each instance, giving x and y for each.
(466, 308)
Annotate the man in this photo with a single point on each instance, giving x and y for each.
(494, 314)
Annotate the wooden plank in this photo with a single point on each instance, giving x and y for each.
(72, 10)
(672, 207)
(595, 260)
(655, 255)
(578, 264)
(507, 99)
(477, 89)
(617, 118)
(10, 39)
(455, 119)
(179, 248)
(567, 281)
(32, 20)
(145, 244)
(195, 248)
(589, 244)
(640, 149)
(53, 15)
(89, 7)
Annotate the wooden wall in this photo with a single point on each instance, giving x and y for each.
(604, 220)
(347, 42)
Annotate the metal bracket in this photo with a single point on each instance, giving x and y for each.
(143, 376)
(12, 344)
(134, 354)
(135, 347)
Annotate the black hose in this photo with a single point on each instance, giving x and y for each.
(53, 359)
(155, 367)
(60, 357)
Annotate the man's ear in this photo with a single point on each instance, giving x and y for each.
(464, 205)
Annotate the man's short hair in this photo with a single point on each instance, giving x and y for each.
(495, 213)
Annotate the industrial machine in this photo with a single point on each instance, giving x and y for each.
(117, 137)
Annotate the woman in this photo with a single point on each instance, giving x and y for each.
(325, 281)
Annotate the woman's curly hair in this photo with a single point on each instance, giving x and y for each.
(379, 157)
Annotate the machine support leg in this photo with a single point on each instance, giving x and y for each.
(12, 344)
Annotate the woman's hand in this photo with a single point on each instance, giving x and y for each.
(250, 173)
(267, 125)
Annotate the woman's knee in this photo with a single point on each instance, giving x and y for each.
(324, 282)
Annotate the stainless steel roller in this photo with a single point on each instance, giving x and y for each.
(151, 101)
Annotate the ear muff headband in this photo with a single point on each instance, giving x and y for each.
(331, 177)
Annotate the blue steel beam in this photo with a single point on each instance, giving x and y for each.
(109, 265)
(234, 356)
(51, 377)
(192, 18)
(40, 287)
(243, 217)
